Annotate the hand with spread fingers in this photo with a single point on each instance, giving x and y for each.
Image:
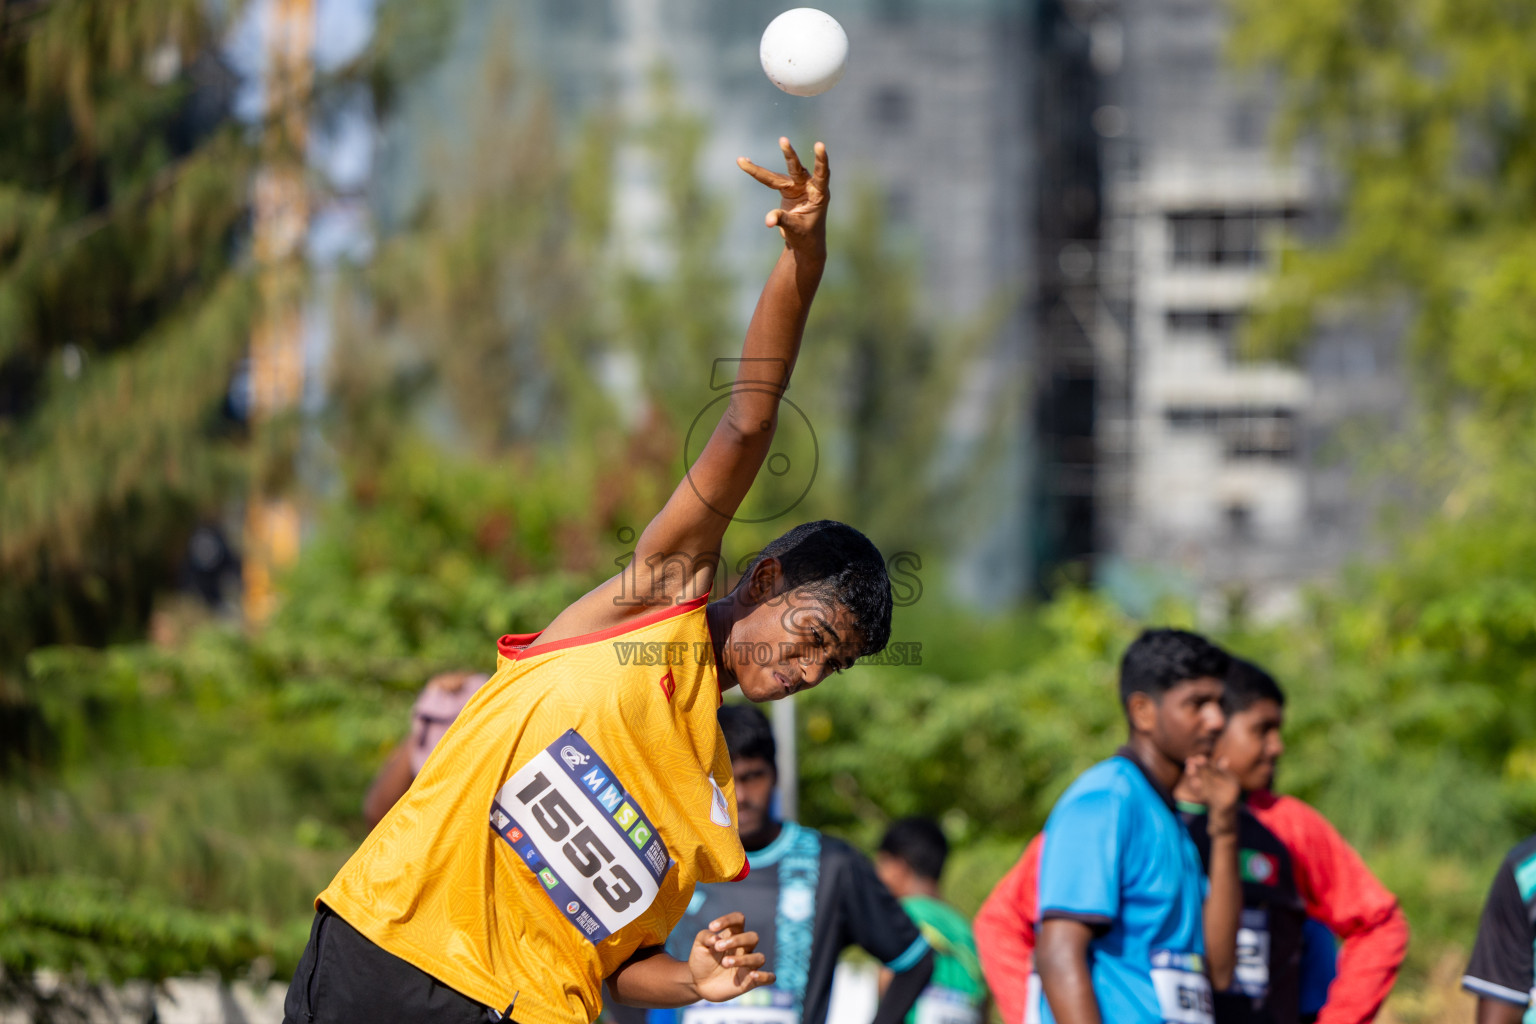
(724, 961)
(802, 214)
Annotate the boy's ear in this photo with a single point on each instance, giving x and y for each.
(1141, 712)
(767, 575)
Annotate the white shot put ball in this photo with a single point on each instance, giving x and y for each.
(804, 51)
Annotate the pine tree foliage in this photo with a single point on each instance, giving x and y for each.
(123, 308)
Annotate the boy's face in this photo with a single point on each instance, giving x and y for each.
(790, 641)
(755, 781)
(1252, 745)
(1185, 722)
(897, 875)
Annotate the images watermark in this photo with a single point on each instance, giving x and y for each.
(673, 653)
(763, 377)
(903, 569)
(804, 612)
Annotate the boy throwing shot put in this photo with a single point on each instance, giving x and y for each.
(555, 836)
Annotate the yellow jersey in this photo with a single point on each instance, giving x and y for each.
(562, 822)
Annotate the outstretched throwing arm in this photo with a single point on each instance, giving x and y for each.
(677, 554)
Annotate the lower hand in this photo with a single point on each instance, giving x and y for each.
(724, 962)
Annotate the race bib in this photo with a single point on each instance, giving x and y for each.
(760, 1006)
(1252, 975)
(585, 838)
(1183, 990)
(940, 1005)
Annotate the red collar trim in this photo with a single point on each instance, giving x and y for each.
(517, 646)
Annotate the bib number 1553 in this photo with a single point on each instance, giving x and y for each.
(584, 837)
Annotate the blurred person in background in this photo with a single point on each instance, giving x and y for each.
(1337, 893)
(1267, 978)
(910, 862)
(438, 705)
(1500, 973)
(1005, 935)
(1336, 887)
(1130, 929)
(810, 897)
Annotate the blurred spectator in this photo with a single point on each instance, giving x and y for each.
(440, 702)
(910, 862)
(809, 898)
(1338, 893)
(1500, 973)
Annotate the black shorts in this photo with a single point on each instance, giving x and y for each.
(343, 978)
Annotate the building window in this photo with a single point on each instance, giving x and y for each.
(1246, 432)
(1222, 322)
(1239, 519)
(892, 107)
(1236, 237)
(1218, 325)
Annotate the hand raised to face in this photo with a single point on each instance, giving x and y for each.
(1216, 786)
(802, 214)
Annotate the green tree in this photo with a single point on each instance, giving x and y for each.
(1428, 112)
(126, 297)
(122, 305)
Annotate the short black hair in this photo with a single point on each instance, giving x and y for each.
(920, 842)
(1247, 684)
(748, 733)
(833, 560)
(1161, 659)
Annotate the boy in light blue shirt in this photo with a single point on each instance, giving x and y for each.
(1127, 934)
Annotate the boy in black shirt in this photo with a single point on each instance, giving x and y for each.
(809, 897)
(1266, 985)
(1501, 974)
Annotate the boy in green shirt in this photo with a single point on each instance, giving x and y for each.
(910, 862)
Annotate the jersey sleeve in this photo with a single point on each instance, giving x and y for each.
(1080, 868)
(1005, 933)
(1501, 965)
(1341, 892)
(875, 919)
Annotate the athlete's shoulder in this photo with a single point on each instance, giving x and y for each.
(1253, 831)
(1116, 774)
(1522, 856)
(1281, 813)
(571, 632)
(845, 865)
(835, 851)
(1110, 781)
(928, 909)
(1104, 799)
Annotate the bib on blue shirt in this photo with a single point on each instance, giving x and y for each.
(1118, 858)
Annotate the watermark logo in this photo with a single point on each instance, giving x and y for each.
(793, 459)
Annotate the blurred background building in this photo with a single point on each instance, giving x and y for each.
(1094, 182)
(934, 114)
(1217, 474)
